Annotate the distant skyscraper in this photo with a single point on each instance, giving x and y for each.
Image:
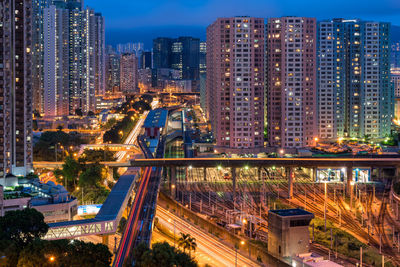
(395, 55)
(75, 58)
(162, 58)
(203, 76)
(354, 90)
(235, 83)
(185, 54)
(128, 73)
(146, 60)
(291, 82)
(395, 73)
(202, 57)
(112, 71)
(182, 54)
(16, 87)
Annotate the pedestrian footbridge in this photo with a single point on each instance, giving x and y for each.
(105, 222)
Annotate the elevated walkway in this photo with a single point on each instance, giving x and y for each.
(105, 222)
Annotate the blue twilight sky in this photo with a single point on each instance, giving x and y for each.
(133, 20)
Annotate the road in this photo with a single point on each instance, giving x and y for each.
(133, 220)
(205, 242)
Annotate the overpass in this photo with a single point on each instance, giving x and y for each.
(51, 165)
(378, 162)
(288, 163)
(106, 221)
(111, 147)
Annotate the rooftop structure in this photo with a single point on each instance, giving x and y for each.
(155, 121)
(288, 233)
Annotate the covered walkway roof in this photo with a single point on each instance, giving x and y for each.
(105, 222)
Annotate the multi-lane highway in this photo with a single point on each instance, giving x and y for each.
(214, 248)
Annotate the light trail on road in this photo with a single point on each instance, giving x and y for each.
(205, 242)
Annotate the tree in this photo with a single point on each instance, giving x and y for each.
(147, 98)
(64, 253)
(161, 254)
(91, 176)
(98, 155)
(187, 242)
(70, 170)
(141, 106)
(60, 128)
(90, 113)
(78, 112)
(121, 225)
(22, 226)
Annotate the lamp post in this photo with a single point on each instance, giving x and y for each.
(236, 250)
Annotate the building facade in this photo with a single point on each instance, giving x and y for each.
(235, 83)
(291, 82)
(112, 71)
(354, 89)
(395, 74)
(128, 73)
(74, 53)
(16, 87)
(38, 7)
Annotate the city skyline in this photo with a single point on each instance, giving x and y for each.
(146, 21)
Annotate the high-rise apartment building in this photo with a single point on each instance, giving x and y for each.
(16, 87)
(395, 55)
(131, 48)
(129, 73)
(395, 74)
(235, 83)
(354, 90)
(100, 54)
(55, 70)
(74, 56)
(38, 7)
(291, 82)
(112, 71)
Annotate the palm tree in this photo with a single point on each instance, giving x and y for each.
(182, 241)
(187, 242)
(192, 245)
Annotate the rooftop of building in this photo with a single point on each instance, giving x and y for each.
(156, 118)
(314, 260)
(291, 212)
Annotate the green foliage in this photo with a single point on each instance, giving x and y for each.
(125, 126)
(70, 172)
(110, 123)
(92, 175)
(65, 253)
(141, 106)
(90, 155)
(161, 254)
(147, 98)
(50, 143)
(20, 244)
(22, 226)
(121, 225)
(187, 242)
(346, 243)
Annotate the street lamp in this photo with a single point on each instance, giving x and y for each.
(52, 258)
(236, 249)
